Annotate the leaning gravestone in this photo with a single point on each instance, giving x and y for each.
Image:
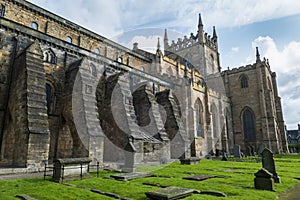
(237, 151)
(269, 164)
(263, 180)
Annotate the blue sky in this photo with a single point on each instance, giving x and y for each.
(272, 25)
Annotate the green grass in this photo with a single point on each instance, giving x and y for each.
(238, 185)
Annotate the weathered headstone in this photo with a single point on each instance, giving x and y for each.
(130, 176)
(268, 163)
(190, 161)
(237, 151)
(224, 156)
(169, 193)
(261, 147)
(263, 180)
(249, 151)
(70, 168)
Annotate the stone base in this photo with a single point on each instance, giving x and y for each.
(190, 161)
(262, 183)
(128, 169)
(276, 179)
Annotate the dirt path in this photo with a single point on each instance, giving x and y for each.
(292, 194)
(22, 175)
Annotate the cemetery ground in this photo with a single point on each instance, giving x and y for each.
(234, 178)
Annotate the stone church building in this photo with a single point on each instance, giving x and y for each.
(67, 92)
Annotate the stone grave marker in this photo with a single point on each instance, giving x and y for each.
(169, 193)
(261, 147)
(269, 164)
(203, 177)
(237, 151)
(263, 180)
(130, 176)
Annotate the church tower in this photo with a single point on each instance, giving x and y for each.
(257, 118)
(199, 50)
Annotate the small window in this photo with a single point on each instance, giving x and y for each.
(244, 82)
(120, 60)
(69, 39)
(142, 69)
(97, 51)
(2, 10)
(34, 25)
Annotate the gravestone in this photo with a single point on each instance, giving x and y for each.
(249, 149)
(237, 151)
(190, 161)
(263, 180)
(269, 164)
(261, 147)
(70, 168)
(130, 176)
(169, 193)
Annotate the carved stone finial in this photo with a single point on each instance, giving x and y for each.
(257, 55)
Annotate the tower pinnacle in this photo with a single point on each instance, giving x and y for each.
(200, 30)
(166, 45)
(257, 55)
(214, 33)
(200, 24)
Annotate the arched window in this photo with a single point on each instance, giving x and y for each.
(199, 118)
(49, 56)
(97, 51)
(34, 26)
(48, 97)
(215, 119)
(244, 82)
(248, 125)
(142, 69)
(69, 39)
(93, 70)
(212, 63)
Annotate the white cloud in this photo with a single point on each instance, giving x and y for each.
(110, 17)
(146, 43)
(286, 64)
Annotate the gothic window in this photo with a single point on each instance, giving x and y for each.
(244, 82)
(212, 63)
(199, 118)
(248, 125)
(142, 69)
(215, 120)
(48, 97)
(69, 39)
(93, 70)
(49, 56)
(2, 10)
(34, 25)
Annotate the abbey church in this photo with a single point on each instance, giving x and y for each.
(67, 92)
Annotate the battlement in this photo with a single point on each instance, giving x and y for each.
(186, 42)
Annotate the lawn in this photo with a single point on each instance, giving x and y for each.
(237, 182)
